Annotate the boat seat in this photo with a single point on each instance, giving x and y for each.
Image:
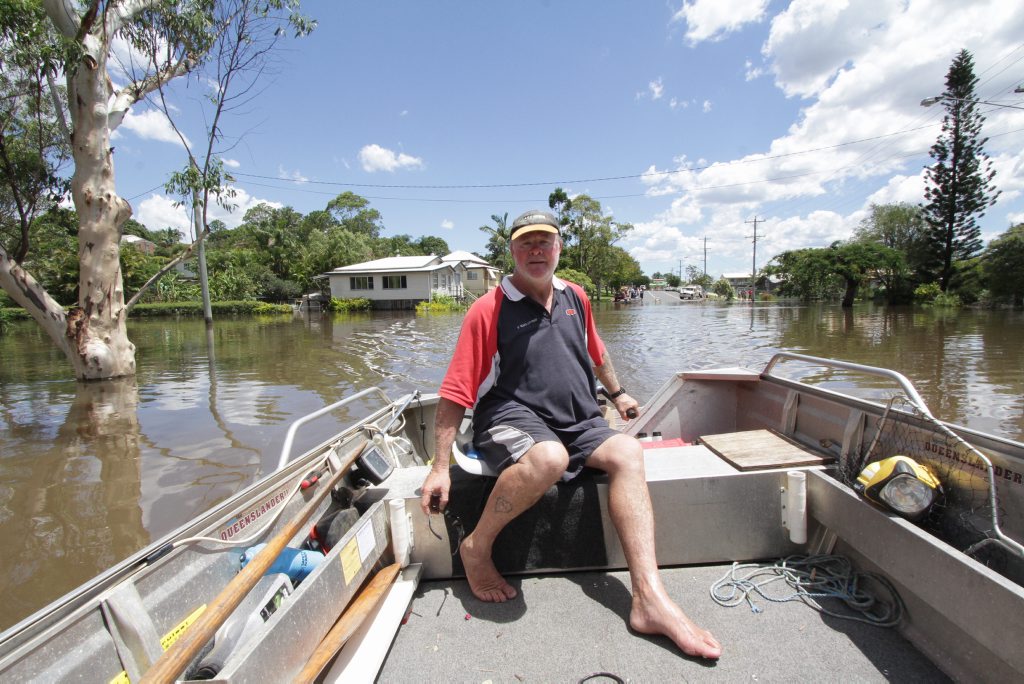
(464, 454)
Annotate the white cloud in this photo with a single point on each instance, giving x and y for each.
(157, 212)
(231, 163)
(656, 88)
(706, 107)
(447, 224)
(377, 158)
(150, 124)
(295, 175)
(713, 19)
(862, 69)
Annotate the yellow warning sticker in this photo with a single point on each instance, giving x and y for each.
(350, 560)
(172, 636)
(166, 640)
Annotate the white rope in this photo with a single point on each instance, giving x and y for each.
(806, 579)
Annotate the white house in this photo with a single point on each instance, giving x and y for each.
(398, 282)
(141, 244)
(480, 276)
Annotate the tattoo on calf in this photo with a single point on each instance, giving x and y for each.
(502, 505)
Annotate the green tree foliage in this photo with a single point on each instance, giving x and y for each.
(696, 276)
(355, 214)
(589, 236)
(560, 203)
(723, 288)
(831, 272)
(82, 41)
(498, 249)
(621, 269)
(1003, 266)
(900, 227)
(276, 254)
(574, 276)
(33, 148)
(54, 255)
(959, 185)
(429, 244)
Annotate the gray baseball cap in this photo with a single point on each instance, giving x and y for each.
(534, 219)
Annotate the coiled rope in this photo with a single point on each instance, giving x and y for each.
(809, 578)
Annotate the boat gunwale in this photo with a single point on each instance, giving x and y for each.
(77, 603)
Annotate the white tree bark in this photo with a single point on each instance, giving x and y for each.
(95, 332)
(23, 289)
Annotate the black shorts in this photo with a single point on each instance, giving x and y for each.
(516, 429)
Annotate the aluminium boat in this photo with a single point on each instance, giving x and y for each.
(753, 477)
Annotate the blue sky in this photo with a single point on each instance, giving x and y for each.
(686, 118)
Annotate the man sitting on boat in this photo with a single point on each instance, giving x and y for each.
(526, 361)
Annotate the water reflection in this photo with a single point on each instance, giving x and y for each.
(72, 503)
(91, 473)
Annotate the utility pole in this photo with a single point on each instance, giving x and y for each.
(753, 266)
(705, 255)
(680, 271)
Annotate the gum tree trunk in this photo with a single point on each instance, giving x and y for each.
(97, 328)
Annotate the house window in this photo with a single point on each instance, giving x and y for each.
(394, 282)
(360, 282)
(472, 275)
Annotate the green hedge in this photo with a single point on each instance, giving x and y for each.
(357, 304)
(247, 307)
(440, 302)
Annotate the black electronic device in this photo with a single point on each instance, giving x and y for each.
(373, 465)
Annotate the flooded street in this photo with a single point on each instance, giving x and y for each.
(91, 473)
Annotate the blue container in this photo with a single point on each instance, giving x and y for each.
(296, 563)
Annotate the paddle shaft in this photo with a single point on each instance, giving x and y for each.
(176, 658)
(348, 623)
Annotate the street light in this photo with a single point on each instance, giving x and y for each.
(929, 101)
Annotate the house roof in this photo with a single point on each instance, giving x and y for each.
(463, 256)
(398, 263)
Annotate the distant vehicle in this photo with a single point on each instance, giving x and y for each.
(691, 292)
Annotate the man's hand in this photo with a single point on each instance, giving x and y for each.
(436, 486)
(627, 406)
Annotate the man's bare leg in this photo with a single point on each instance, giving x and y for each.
(518, 487)
(653, 610)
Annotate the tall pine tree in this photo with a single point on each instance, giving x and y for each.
(959, 184)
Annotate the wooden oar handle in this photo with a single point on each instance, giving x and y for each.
(348, 623)
(176, 658)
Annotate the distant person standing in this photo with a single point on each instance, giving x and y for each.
(526, 361)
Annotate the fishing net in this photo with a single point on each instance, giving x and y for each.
(967, 514)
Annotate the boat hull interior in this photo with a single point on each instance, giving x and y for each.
(962, 618)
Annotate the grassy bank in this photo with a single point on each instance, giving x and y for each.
(177, 309)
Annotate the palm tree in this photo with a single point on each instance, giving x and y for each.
(498, 243)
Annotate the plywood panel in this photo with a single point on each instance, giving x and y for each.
(758, 449)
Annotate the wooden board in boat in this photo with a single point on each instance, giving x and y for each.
(758, 449)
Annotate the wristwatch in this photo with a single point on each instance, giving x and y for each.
(613, 395)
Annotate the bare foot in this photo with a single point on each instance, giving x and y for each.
(485, 581)
(659, 614)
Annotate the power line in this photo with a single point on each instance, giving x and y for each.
(634, 176)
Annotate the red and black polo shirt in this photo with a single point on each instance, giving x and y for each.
(510, 349)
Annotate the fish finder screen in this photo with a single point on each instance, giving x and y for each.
(374, 466)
